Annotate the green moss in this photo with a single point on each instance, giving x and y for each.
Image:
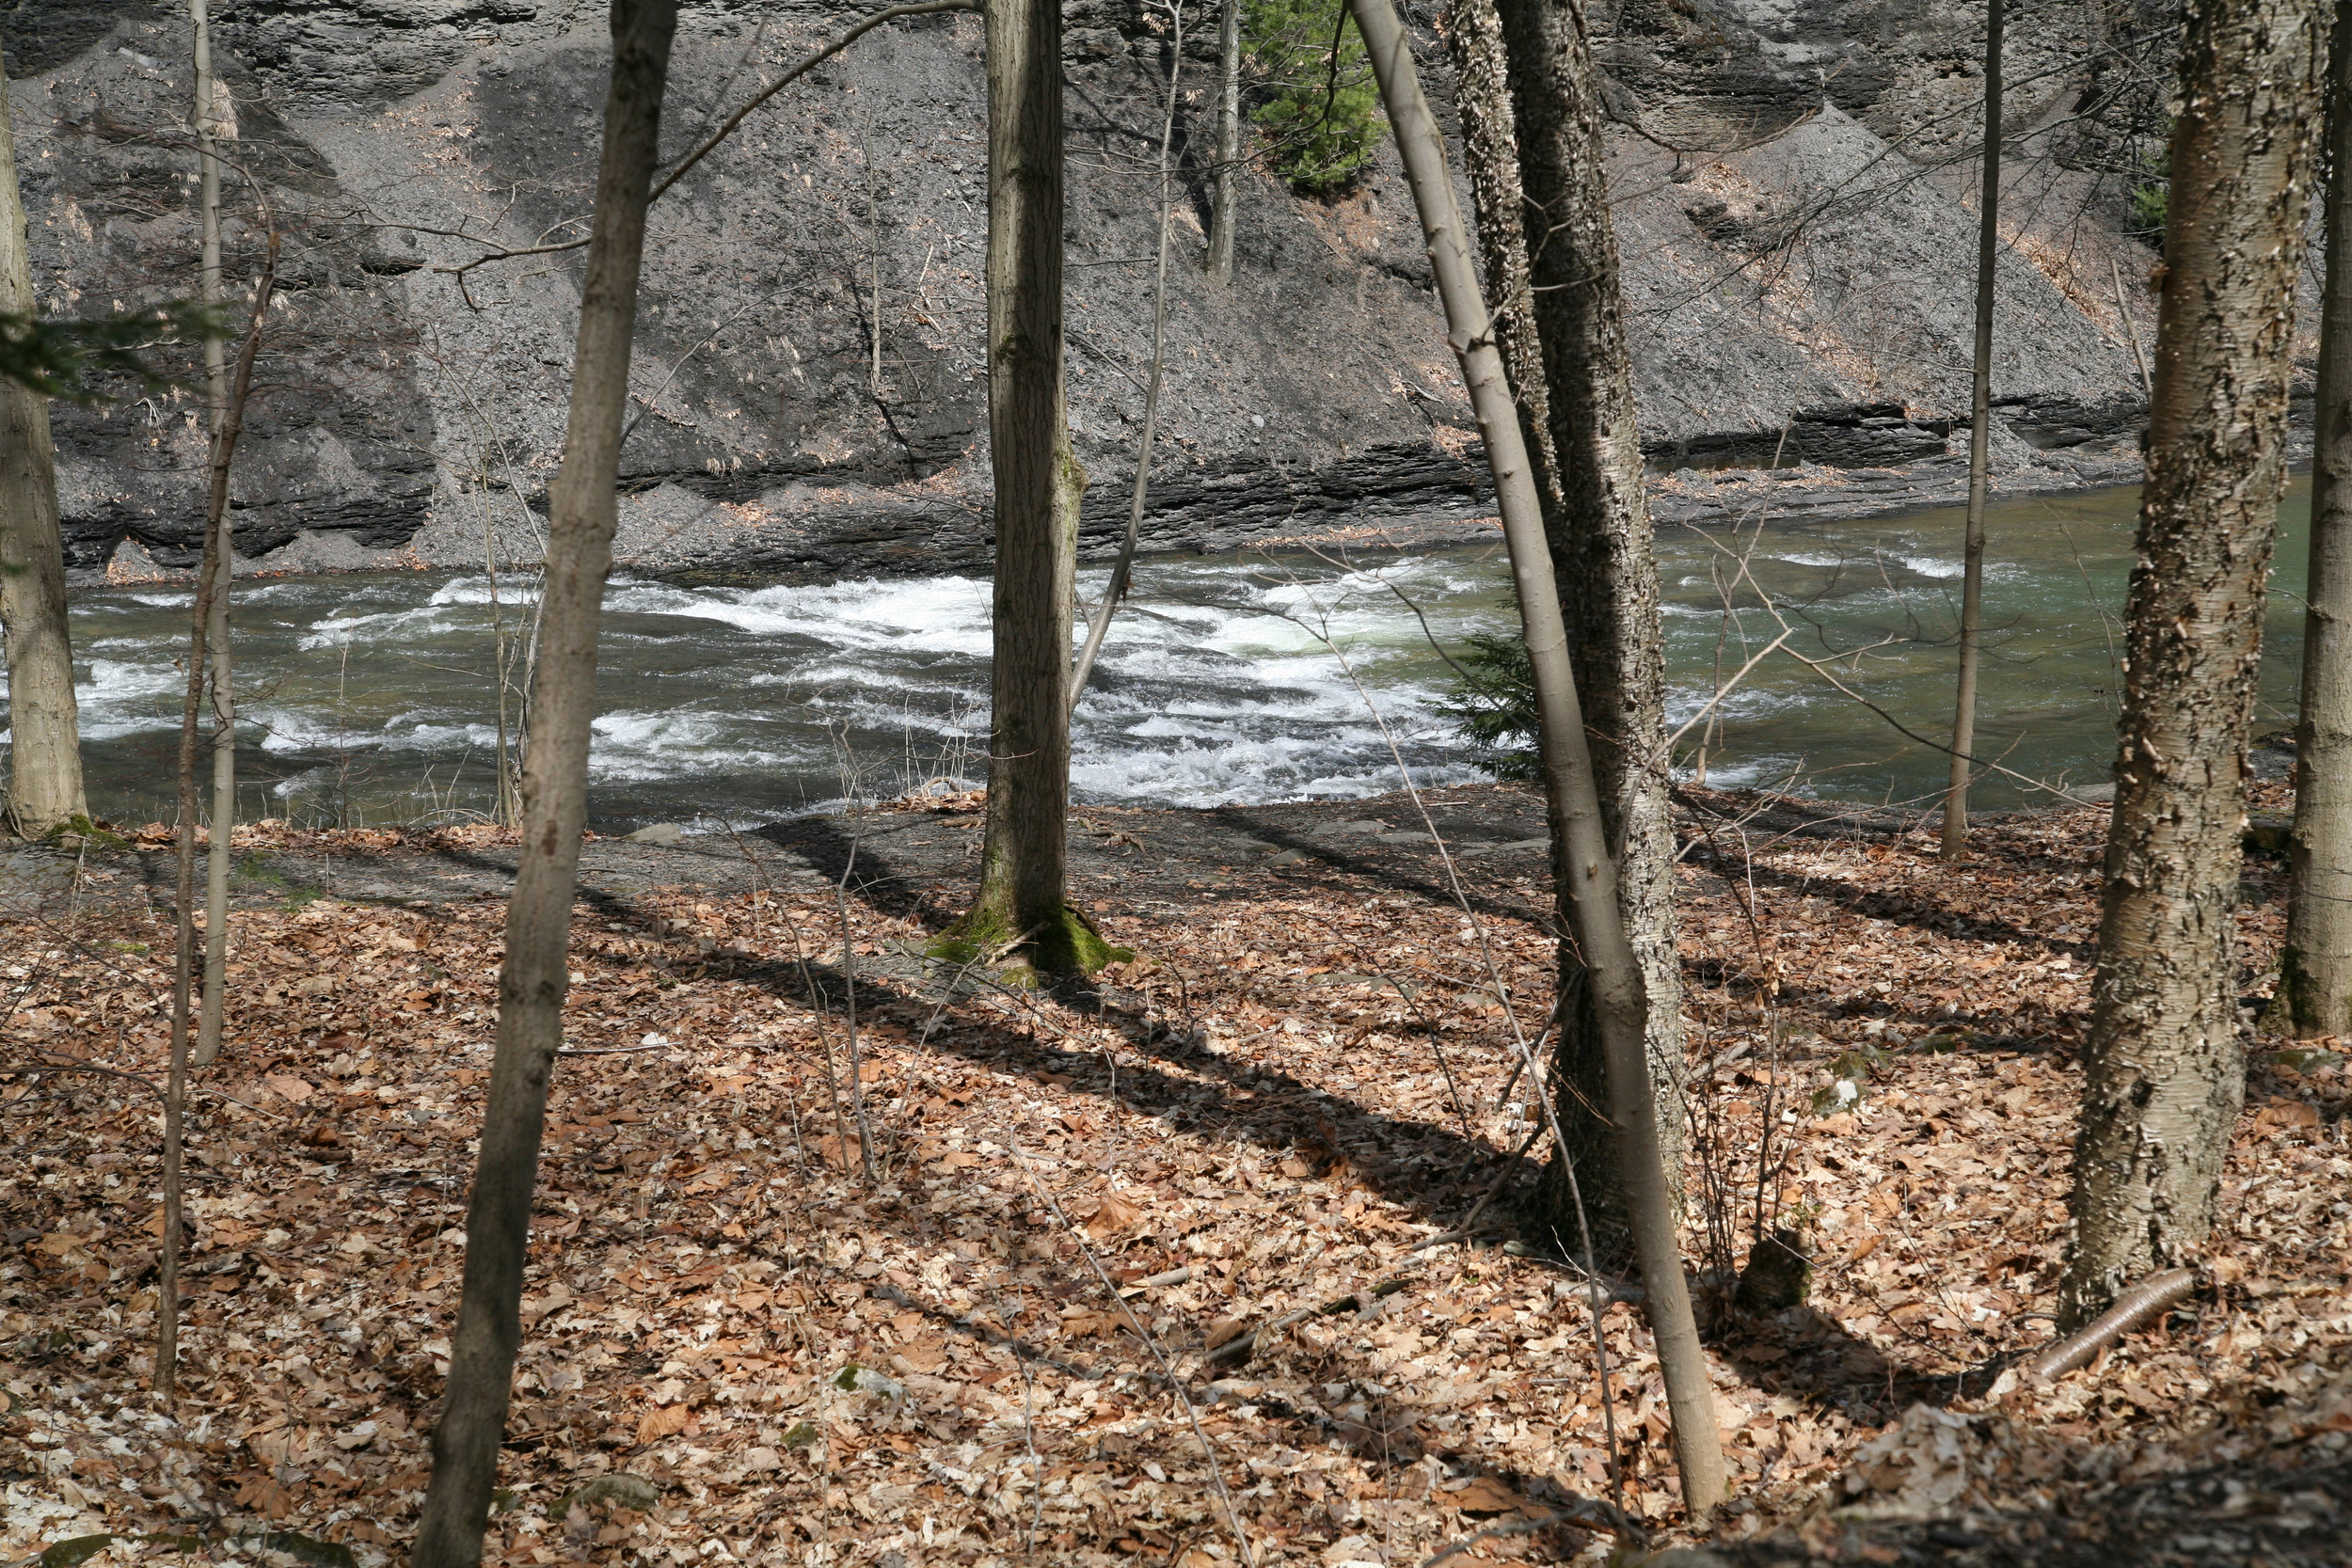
(79, 832)
(1067, 945)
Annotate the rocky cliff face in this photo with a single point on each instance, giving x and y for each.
(1798, 281)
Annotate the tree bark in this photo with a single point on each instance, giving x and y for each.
(1022, 904)
(2315, 965)
(1532, 116)
(583, 511)
(221, 563)
(1225, 198)
(183, 905)
(2164, 1063)
(44, 724)
(1955, 840)
(1579, 839)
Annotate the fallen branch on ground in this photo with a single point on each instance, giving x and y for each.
(2136, 1306)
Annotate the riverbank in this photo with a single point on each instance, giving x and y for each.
(1405, 497)
(734, 1335)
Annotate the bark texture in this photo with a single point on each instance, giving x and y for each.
(2164, 1064)
(1580, 838)
(581, 514)
(44, 724)
(1538, 169)
(1955, 836)
(212, 572)
(221, 562)
(1023, 903)
(2316, 967)
(1225, 198)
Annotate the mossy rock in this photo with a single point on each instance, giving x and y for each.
(2269, 832)
(619, 1488)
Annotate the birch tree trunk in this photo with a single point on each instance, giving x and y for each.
(2164, 1065)
(1580, 846)
(44, 724)
(1225, 198)
(1532, 118)
(210, 125)
(581, 514)
(2316, 966)
(1022, 904)
(1955, 838)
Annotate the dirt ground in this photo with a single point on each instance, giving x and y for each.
(985, 1331)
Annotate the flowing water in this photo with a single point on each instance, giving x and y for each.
(1233, 678)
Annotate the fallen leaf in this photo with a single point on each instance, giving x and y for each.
(661, 1421)
(1483, 1494)
(1111, 1216)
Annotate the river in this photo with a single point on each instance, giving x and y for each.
(370, 698)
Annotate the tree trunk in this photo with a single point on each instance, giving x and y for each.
(2315, 965)
(1553, 211)
(1023, 904)
(1225, 199)
(221, 563)
(583, 511)
(1579, 839)
(2164, 1064)
(1979, 450)
(183, 905)
(45, 724)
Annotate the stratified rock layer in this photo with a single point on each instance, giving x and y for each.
(1800, 285)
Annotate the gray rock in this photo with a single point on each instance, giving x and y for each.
(1314, 393)
(667, 834)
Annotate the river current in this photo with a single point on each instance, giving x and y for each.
(370, 699)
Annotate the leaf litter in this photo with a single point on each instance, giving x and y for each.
(737, 1350)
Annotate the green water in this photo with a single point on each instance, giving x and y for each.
(369, 699)
(1881, 598)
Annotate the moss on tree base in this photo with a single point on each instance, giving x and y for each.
(1068, 944)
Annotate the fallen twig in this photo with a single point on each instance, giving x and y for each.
(1242, 1346)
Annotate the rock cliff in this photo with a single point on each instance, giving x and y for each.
(1793, 180)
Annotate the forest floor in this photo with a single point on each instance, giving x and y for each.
(993, 1347)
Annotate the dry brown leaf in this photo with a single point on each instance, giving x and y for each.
(661, 1421)
(1111, 1216)
(1484, 1495)
(265, 1496)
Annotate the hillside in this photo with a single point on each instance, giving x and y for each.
(1787, 270)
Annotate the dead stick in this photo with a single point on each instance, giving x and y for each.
(1241, 1347)
(2138, 1306)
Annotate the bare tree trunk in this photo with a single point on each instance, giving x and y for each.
(183, 949)
(44, 724)
(1225, 199)
(2164, 1065)
(1979, 449)
(1533, 117)
(2315, 965)
(221, 563)
(1022, 901)
(1580, 840)
(583, 513)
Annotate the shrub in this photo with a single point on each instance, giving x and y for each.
(1324, 115)
(1492, 696)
